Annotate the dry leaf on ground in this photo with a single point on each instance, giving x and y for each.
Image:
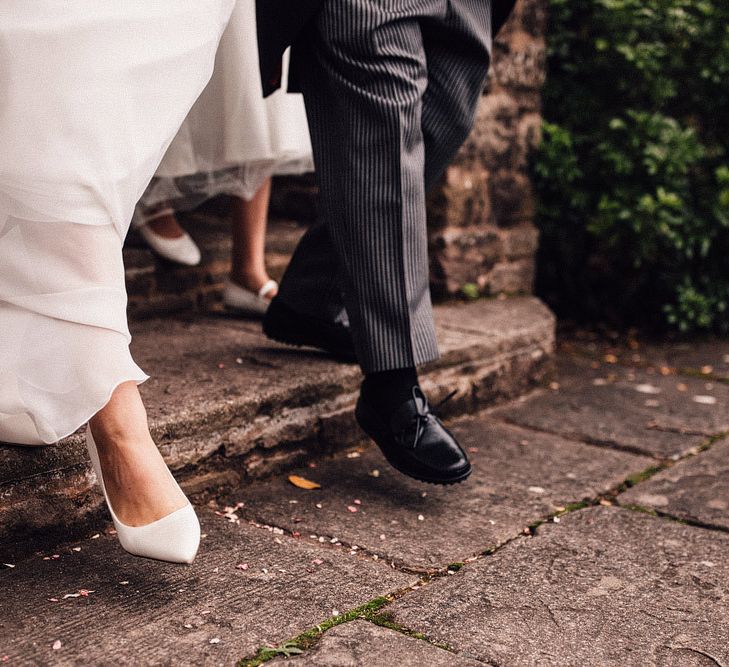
(303, 483)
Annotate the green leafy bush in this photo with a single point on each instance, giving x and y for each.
(633, 174)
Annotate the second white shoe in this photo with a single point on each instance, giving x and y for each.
(174, 538)
(246, 302)
(181, 250)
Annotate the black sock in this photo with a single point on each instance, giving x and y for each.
(388, 390)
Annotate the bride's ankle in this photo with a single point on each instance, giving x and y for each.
(250, 280)
(166, 226)
(116, 437)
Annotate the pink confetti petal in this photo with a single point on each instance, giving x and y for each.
(352, 509)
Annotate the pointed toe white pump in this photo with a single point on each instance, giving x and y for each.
(174, 538)
(181, 250)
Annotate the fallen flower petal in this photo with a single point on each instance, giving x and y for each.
(57, 645)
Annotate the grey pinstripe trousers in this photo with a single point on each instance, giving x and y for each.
(391, 88)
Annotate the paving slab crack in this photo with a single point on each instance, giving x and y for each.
(309, 638)
(373, 612)
(695, 523)
(708, 656)
(572, 437)
(331, 542)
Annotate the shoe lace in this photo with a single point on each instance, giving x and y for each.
(424, 413)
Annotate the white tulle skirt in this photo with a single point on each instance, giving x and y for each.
(91, 94)
(233, 139)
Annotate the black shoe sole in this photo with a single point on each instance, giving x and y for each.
(293, 341)
(275, 323)
(438, 481)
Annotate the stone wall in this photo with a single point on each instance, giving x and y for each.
(482, 237)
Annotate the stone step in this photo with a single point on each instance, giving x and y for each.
(157, 288)
(226, 404)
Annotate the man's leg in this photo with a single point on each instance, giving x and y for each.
(458, 52)
(313, 283)
(364, 81)
(389, 86)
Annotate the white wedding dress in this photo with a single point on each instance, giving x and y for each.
(233, 139)
(91, 94)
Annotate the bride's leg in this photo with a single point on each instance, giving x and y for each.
(135, 475)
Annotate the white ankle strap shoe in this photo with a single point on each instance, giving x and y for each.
(174, 538)
(246, 302)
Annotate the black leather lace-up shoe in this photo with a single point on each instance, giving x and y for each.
(415, 441)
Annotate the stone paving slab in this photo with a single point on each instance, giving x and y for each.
(519, 477)
(708, 356)
(211, 613)
(696, 489)
(662, 416)
(603, 587)
(363, 644)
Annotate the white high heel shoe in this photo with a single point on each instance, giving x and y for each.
(174, 538)
(181, 250)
